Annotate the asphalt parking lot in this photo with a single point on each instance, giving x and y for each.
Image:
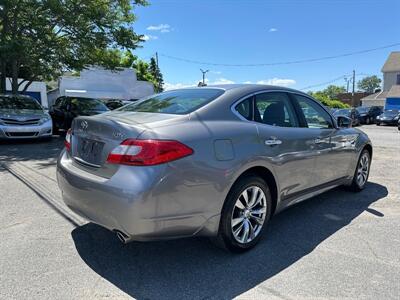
(336, 245)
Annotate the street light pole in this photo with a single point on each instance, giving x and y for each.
(354, 85)
(204, 76)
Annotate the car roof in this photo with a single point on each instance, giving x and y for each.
(246, 88)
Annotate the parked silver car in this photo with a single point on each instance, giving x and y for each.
(211, 161)
(23, 117)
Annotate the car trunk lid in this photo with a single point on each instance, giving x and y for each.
(94, 137)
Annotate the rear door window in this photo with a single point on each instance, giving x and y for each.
(275, 109)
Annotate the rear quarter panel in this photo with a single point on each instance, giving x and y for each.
(199, 184)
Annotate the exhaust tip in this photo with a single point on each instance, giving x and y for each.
(122, 236)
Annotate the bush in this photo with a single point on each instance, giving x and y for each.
(327, 101)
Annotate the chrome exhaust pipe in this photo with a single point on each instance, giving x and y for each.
(122, 237)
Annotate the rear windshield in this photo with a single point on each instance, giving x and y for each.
(178, 102)
(19, 103)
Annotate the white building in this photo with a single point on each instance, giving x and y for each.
(389, 97)
(36, 90)
(103, 84)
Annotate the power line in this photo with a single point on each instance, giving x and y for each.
(323, 83)
(280, 63)
(332, 81)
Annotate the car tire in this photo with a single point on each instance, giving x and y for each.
(367, 121)
(251, 215)
(361, 174)
(56, 130)
(378, 124)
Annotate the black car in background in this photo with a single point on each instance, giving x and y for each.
(388, 117)
(351, 113)
(66, 109)
(113, 103)
(368, 114)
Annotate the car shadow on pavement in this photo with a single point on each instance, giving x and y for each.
(46, 151)
(196, 269)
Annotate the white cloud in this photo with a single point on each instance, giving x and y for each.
(247, 82)
(216, 72)
(273, 30)
(163, 28)
(278, 81)
(150, 37)
(174, 86)
(222, 81)
(180, 85)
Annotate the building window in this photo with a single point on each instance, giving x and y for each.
(398, 79)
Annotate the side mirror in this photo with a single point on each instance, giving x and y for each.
(343, 122)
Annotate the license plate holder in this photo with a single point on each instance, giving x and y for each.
(90, 151)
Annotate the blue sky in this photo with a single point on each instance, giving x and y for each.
(246, 32)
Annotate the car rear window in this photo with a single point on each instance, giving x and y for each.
(178, 102)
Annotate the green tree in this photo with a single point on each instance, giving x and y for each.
(40, 39)
(158, 77)
(369, 84)
(325, 99)
(333, 90)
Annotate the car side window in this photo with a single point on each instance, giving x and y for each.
(245, 108)
(314, 114)
(275, 109)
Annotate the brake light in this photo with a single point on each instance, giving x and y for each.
(67, 141)
(148, 152)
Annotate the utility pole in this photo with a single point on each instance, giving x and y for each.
(204, 76)
(354, 85)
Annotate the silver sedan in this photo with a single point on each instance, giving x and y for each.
(214, 161)
(23, 117)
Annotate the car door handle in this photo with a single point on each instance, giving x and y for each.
(273, 142)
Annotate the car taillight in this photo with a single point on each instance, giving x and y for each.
(148, 152)
(67, 141)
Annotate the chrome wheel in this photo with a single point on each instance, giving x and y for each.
(248, 214)
(362, 170)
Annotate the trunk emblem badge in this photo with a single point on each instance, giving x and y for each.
(118, 135)
(84, 125)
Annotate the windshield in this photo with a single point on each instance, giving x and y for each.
(363, 109)
(15, 102)
(87, 104)
(342, 112)
(391, 112)
(175, 102)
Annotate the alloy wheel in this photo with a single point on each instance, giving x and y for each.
(249, 214)
(362, 170)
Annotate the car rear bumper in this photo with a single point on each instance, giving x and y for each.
(23, 131)
(141, 202)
